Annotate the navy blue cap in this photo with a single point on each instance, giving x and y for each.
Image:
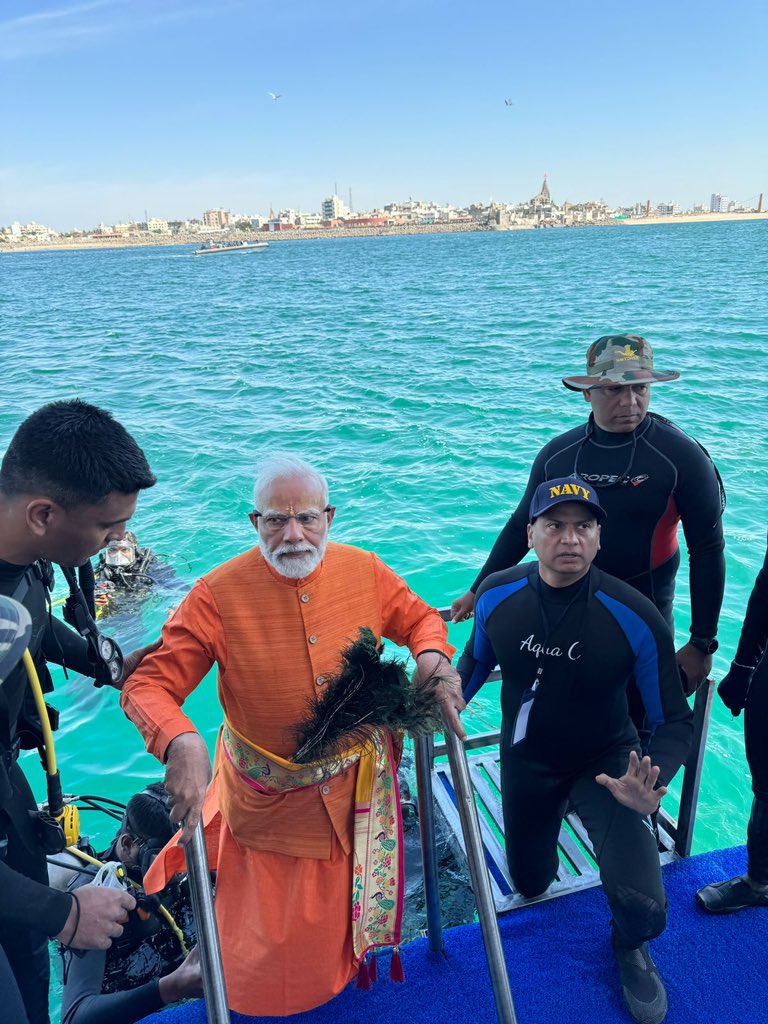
(565, 488)
(15, 630)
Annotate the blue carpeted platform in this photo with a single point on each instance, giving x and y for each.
(562, 969)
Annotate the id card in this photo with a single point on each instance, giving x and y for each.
(521, 721)
(524, 711)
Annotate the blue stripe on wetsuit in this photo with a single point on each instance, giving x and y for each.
(646, 651)
(482, 649)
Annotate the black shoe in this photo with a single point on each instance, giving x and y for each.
(644, 991)
(727, 897)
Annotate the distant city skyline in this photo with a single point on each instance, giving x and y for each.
(333, 210)
(114, 107)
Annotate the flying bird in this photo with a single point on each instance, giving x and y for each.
(275, 95)
(508, 103)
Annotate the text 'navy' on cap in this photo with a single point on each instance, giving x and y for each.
(561, 490)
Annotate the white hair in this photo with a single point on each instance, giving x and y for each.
(284, 466)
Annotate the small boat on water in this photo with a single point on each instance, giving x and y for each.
(209, 248)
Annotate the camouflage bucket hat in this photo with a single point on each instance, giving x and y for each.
(619, 359)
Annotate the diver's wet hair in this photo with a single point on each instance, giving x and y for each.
(75, 454)
(147, 815)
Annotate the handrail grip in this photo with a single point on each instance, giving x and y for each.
(422, 753)
(481, 886)
(199, 875)
(689, 792)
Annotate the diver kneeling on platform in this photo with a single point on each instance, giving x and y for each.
(568, 638)
(145, 969)
(309, 875)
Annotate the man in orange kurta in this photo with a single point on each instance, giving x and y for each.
(275, 620)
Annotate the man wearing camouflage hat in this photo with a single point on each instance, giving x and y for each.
(650, 476)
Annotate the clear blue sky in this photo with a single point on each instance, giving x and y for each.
(111, 107)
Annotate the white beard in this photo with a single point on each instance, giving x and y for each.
(294, 568)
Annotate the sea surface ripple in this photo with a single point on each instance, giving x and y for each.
(422, 374)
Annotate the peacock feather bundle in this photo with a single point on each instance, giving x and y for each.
(367, 692)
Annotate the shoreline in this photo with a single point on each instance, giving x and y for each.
(186, 238)
(694, 218)
(72, 244)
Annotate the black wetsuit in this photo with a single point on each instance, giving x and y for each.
(751, 654)
(566, 656)
(648, 481)
(30, 911)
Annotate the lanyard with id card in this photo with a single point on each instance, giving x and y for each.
(526, 703)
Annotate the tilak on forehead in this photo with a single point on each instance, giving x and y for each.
(294, 496)
(290, 509)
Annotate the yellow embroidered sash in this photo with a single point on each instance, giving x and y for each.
(377, 880)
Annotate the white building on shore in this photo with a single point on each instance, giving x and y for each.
(333, 208)
(720, 204)
(157, 226)
(308, 220)
(33, 230)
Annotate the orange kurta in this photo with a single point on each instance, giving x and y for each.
(283, 898)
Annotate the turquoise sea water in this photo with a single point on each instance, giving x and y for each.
(422, 374)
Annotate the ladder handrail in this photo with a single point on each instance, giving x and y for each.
(201, 896)
(423, 758)
(478, 871)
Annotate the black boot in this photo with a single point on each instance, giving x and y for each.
(644, 991)
(736, 893)
(728, 897)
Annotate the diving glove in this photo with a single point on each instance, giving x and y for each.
(734, 686)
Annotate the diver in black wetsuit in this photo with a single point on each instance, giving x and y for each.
(123, 574)
(125, 564)
(567, 638)
(126, 574)
(650, 476)
(746, 686)
(69, 481)
(145, 969)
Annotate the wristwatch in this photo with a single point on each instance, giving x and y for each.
(703, 644)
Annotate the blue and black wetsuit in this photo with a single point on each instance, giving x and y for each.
(649, 480)
(566, 656)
